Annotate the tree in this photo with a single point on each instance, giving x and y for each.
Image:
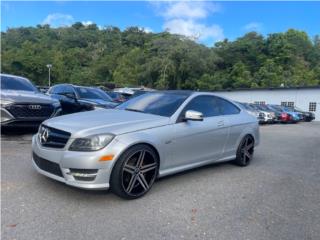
(85, 54)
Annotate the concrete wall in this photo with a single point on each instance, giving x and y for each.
(300, 97)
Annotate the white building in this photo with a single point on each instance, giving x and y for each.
(306, 98)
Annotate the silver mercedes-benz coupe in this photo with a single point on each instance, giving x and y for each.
(149, 136)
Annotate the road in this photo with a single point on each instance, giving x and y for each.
(276, 197)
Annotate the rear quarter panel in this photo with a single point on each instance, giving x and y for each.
(240, 125)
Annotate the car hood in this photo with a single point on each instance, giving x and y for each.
(27, 97)
(105, 121)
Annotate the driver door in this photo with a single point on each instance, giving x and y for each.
(198, 141)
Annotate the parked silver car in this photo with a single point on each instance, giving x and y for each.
(150, 136)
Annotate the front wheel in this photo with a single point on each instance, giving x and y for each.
(245, 151)
(135, 172)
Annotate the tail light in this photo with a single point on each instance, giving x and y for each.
(284, 116)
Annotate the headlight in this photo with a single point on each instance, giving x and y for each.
(4, 102)
(91, 143)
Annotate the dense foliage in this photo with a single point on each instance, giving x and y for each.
(86, 55)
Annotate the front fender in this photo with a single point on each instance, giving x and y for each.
(158, 138)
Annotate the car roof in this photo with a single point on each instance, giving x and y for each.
(70, 84)
(11, 75)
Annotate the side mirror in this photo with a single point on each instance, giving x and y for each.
(191, 115)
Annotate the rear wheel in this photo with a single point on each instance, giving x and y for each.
(135, 172)
(245, 151)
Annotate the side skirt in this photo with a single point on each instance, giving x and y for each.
(166, 172)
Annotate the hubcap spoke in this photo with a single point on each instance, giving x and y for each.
(143, 182)
(132, 183)
(249, 146)
(140, 159)
(128, 168)
(148, 167)
(246, 142)
(247, 154)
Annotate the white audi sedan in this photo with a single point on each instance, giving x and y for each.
(150, 136)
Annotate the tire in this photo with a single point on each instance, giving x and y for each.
(245, 151)
(135, 172)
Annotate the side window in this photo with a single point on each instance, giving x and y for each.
(207, 105)
(55, 90)
(68, 89)
(226, 107)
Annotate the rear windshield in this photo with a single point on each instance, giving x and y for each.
(92, 93)
(263, 107)
(17, 83)
(277, 108)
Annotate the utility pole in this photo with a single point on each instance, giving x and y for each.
(49, 66)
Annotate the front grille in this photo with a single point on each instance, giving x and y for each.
(55, 138)
(31, 110)
(47, 166)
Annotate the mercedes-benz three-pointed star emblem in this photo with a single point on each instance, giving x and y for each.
(44, 135)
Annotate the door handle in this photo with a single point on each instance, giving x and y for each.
(220, 123)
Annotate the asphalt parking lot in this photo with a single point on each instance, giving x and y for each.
(276, 197)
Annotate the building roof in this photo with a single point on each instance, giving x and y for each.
(268, 88)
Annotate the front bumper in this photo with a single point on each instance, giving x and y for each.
(78, 169)
(8, 120)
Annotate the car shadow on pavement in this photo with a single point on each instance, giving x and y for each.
(17, 134)
(174, 178)
(18, 131)
(77, 193)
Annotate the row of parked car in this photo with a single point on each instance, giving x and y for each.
(272, 113)
(23, 105)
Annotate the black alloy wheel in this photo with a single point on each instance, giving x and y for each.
(245, 151)
(135, 172)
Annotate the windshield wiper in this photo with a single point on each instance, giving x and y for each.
(133, 110)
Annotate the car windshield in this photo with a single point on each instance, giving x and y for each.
(158, 103)
(113, 94)
(254, 107)
(289, 109)
(247, 107)
(17, 83)
(263, 107)
(277, 108)
(92, 93)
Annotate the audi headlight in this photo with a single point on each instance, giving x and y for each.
(4, 102)
(91, 143)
